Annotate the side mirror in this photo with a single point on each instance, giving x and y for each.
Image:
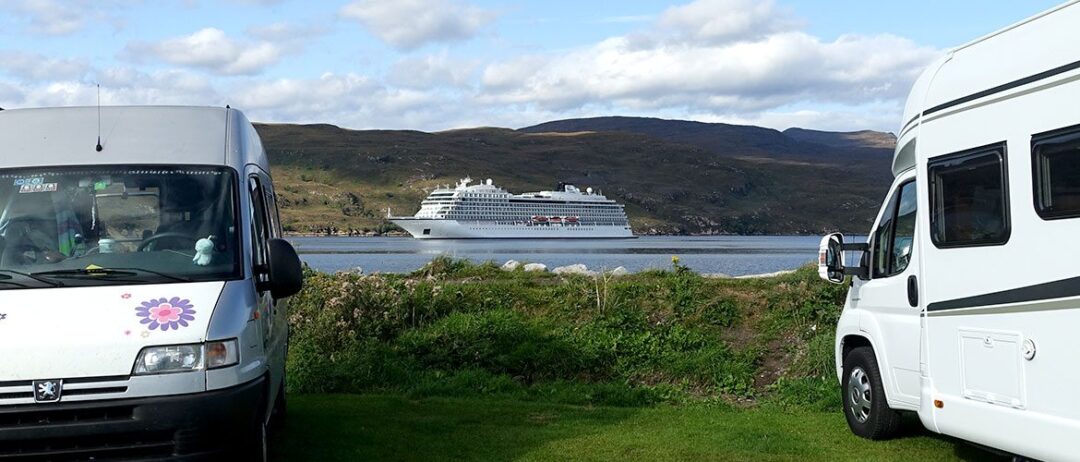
(285, 272)
(831, 264)
(831, 258)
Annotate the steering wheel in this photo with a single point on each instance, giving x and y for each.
(145, 244)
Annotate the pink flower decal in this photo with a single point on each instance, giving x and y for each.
(165, 314)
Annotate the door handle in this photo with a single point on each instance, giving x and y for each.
(913, 291)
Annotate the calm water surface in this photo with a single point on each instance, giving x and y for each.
(733, 255)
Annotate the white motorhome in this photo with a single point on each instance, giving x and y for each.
(143, 285)
(964, 304)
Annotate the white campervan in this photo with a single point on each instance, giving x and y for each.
(142, 285)
(964, 306)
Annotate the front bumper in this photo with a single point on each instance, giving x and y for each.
(197, 426)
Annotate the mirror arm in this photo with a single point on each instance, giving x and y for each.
(858, 271)
(855, 247)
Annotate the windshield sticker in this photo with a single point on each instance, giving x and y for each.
(165, 314)
(3, 316)
(29, 181)
(36, 188)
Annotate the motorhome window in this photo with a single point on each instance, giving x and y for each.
(1056, 168)
(148, 224)
(968, 198)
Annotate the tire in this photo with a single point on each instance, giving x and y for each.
(865, 407)
(277, 415)
(257, 446)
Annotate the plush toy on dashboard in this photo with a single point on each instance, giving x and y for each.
(204, 249)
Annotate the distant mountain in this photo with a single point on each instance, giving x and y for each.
(673, 176)
(735, 140)
(865, 139)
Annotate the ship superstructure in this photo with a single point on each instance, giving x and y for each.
(486, 211)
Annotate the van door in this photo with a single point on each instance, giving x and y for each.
(889, 298)
(260, 234)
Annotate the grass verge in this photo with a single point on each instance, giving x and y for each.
(394, 428)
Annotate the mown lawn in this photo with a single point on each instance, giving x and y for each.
(380, 427)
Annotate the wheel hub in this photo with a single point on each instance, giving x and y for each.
(859, 394)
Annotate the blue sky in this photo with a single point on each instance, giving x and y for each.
(441, 64)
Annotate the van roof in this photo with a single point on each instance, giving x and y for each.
(129, 135)
(991, 66)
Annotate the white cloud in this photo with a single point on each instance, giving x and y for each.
(710, 60)
(409, 24)
(28, 66)
(350, 100)
(721, 21)
(64, 17)
(119, 86)
(213, 50)
(432, 71)
(748, 65)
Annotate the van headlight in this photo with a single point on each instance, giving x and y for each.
(185, 358)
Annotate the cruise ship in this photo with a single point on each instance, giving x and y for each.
(485, 211)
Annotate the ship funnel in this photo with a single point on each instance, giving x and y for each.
(588, 190)
(489, 182)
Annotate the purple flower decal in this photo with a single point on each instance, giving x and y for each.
(165, 314)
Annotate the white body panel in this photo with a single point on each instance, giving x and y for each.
(49, 333)
(963, 345)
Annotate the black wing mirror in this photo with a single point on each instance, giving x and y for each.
(284, 270)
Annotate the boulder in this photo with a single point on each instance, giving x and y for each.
(574, 269)
(511, 265)
(535, 267)
(765, 275)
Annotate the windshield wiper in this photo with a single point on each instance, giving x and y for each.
(7, 277)
(106, 273)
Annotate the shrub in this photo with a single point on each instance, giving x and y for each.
(461, 329)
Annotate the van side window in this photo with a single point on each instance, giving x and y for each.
(893, 240)
(1055, 160)
(969, 199)
(259, 229)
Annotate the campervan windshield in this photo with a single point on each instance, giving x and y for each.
(108, 225)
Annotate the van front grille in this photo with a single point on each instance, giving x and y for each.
(141, 445)
(22, 391)
(47, 417)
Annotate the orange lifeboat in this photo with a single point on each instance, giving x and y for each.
(556, 219)
(571, 219)
(540, 219)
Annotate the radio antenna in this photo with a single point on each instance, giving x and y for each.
(98, 148)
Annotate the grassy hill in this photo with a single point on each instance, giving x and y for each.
(673, 176)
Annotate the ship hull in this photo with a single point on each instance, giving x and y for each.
(421, 228)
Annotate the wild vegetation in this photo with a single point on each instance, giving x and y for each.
(456, 329)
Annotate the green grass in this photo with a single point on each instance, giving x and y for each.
(386, 428)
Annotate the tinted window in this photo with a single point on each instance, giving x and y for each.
(259, 231)
(1056, 159)
(903, 242)
(882, 238)
(893, 240)
(968, 198)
